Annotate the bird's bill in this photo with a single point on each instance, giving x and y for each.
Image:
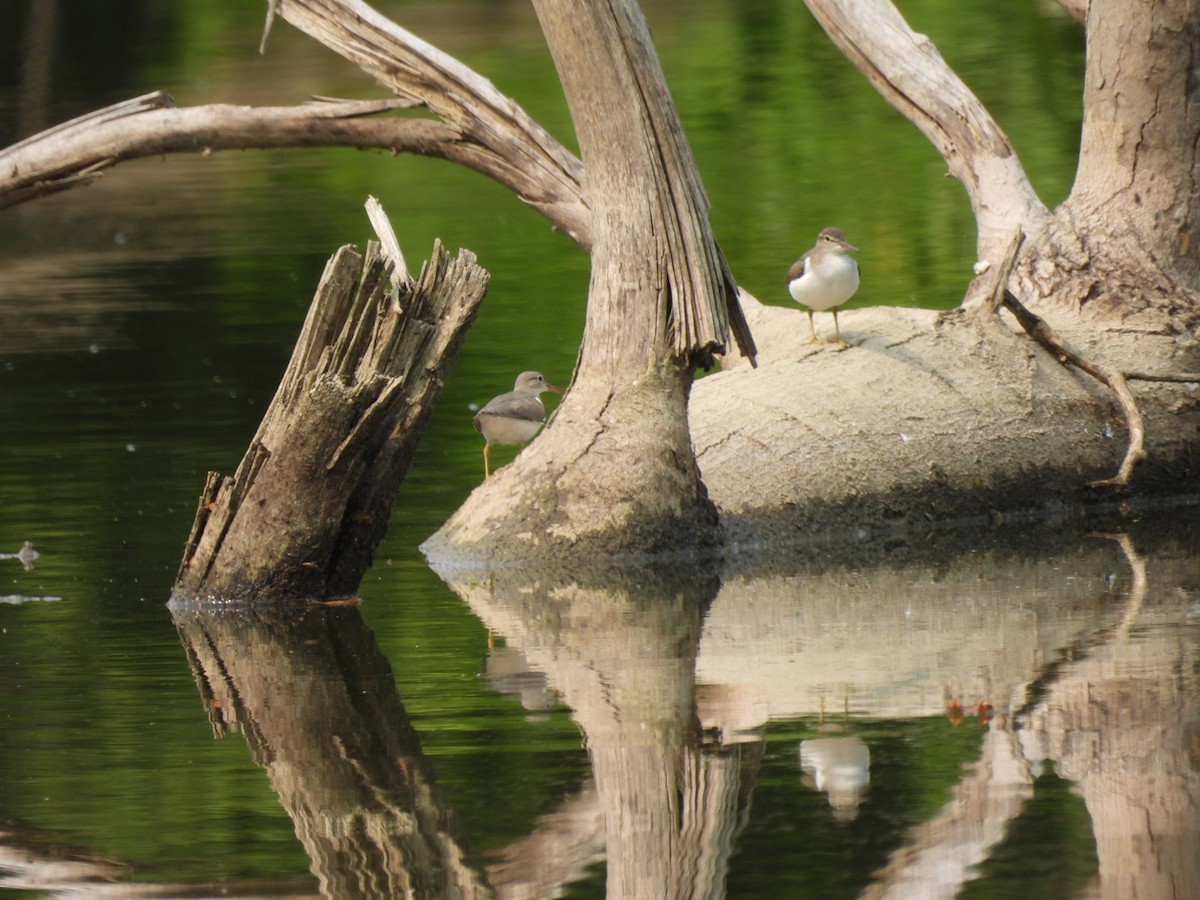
(552, 389)
(846, 245)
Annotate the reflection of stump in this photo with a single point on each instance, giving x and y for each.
(312, 497)
(316, 700)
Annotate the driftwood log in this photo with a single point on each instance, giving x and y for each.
(311, 498)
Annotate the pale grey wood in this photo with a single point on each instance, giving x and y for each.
(79, 151)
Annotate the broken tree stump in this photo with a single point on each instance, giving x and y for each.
(312, 497)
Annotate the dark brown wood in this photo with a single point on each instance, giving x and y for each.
(313, 494)
(315, 698)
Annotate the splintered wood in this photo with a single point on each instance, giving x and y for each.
(303, 514)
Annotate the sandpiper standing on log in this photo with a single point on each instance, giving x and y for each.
(825, 277)
(515, 417)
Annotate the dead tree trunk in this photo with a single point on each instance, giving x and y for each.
(1122, 246)
(1122, 251)
(313, 494)
(615, 472)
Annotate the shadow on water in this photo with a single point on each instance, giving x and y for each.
(1084, 662)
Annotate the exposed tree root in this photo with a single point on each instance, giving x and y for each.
(1116, 381)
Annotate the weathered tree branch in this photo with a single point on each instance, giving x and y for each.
(906, 68)
(479, 127)
(78, 152)
(508, 144)
(1035, 326)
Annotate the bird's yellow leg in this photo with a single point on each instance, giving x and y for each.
(812, 328)
(836, 330)
(487, 470)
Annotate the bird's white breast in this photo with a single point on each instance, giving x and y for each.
(504, 430)
(837, 283)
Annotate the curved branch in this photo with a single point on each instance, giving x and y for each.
(1035, 326)
(541, 170)
(77, 152)
(906, 68)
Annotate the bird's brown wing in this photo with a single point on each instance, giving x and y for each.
(797, 268)
(515, 405)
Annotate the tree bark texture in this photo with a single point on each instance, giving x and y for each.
(78, 152)
(615, 470)
(312, 497)
(929, 417)
(1122, 249)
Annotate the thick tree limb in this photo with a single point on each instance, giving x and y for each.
(508, 144)
(906, 68)
(78, 151)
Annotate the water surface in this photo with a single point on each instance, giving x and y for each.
(1017, 717)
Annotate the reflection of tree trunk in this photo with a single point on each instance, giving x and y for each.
(1112, 692)
(938, 857)
(896, 640)
(317, 703)
(558, 851)
(622, 656)
(1123, 723)
(37, 66)
(32, 864)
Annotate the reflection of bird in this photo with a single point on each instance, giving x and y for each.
(515, 417)
(840, 766)
(825, 277)
(27, 555)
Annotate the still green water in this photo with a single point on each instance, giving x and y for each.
(144, 323)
